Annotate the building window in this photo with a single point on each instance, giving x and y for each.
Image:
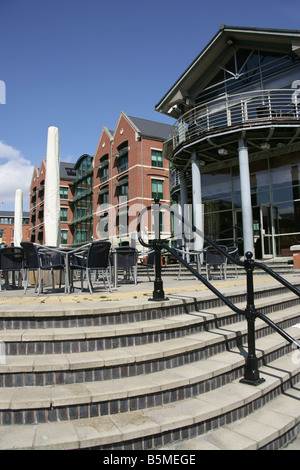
(104, 198)
(122, 221)
(81, 236)
(123, 193)
(157, 189)
(63, 192)
(123, 157)
(6, 220)
(64, 237)
(63, 214)
(81, 212)
(104, 162)
(156, 158)
(161, 222)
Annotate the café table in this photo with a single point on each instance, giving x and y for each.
(66, 252)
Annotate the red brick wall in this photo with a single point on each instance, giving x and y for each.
(140, 171)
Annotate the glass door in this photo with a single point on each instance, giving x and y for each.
(266, 230)
(262, 231)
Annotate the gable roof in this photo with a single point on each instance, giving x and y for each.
(217, 51)
(12, 214)
(152, 129)
(67, 171)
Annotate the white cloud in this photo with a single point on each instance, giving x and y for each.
(68, 159)
(15, 173)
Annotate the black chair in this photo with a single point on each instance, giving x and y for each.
(216, 260)
(149, 261)
(11, 260)
(39, 259)
(96, 259)
(192, 257)
(126, 259)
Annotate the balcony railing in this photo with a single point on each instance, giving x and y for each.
(236, 110)
(175, 179)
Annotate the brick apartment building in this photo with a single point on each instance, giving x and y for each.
(37, 194)
(129, 172)
(101, 195)
(7, 227)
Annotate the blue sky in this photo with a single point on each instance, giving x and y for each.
(77, 64)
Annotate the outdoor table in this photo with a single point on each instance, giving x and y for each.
(66, 252)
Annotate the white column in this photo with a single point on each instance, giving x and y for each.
(182, 209)
(52, 195)
(197, 201)
(246, 198)
(183, 190)
(18, 220)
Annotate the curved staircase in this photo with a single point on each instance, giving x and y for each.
(149, 375)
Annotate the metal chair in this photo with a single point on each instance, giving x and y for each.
(96, 259)
(126, 259)
(149, 261)
(11, 260)
(38, 259)
(216, 260)
(192, 257)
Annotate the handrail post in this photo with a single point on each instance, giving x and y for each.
(158, 292)
(251, 375)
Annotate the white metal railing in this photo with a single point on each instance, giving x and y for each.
(175, 179)
(234, 110)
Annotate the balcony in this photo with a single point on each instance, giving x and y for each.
(243, 111)
(175, 180)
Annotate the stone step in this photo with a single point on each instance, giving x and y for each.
(161, 426)
(97, 313)
(140, 395)
(173, 269)
(271, 428)
(28, 404)
(25, 341)
(216, 331)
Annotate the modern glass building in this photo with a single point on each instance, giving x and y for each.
(82, 201)
(235, 146)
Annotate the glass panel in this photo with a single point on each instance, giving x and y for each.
(157, 189)
(81, 236)
(219, 225)
(260, 198)
(217, 205)
(283, 243)
(267, 229)
(259, 181)
(64, 237)
(288, 217)
(63, 214)
(284, 194)
(222, 189)
(214, 176)
(123, 190)
(63, 193)
(156, 158)
(281, 177)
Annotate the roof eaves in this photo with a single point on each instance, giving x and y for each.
(223, 29)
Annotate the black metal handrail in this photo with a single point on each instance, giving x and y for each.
(251, 375)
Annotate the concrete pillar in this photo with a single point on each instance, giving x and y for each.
(197, 201)
(182, 209)
(246, 197)
(183, 191)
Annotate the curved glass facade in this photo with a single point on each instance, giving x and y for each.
(275, 194)
(82, 223)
